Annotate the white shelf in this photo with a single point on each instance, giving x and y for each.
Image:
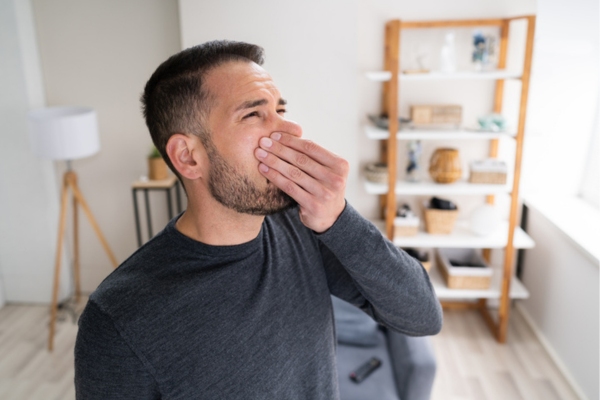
(379, 76)
(432, 188)
(383, 76)
(376, 133)
(517, 290)
(461, 237)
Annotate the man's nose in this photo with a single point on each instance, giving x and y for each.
(290, 127)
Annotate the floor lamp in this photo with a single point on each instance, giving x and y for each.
(67, 133)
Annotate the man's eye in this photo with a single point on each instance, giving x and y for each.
(252, 114)
(282, 111)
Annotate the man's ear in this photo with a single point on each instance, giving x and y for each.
(186, 155)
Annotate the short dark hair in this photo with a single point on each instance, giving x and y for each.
(174, 99)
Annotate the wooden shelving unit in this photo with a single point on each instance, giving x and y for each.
(509, 236)
(375, 133)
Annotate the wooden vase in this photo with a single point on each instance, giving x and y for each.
(445, 165)
(157, 168)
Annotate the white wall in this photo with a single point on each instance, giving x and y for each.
(100, 54)
(564, 302)
(561, 277)
(28, 186)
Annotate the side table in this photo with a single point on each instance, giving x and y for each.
(165, 184)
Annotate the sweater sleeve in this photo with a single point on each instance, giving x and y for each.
(105, 366)
(367, 270)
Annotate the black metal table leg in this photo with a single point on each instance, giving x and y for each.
(137, 218)
(178, 196)
(168, 191)
(148, 214)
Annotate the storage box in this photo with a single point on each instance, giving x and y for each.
(436, 114)
(458, 277)
(439, 221)
(406, 226)
(489, 171)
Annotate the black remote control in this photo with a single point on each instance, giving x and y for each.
(365, 370)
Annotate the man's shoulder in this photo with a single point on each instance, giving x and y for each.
(134, 278)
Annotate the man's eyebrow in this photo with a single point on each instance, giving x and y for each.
(256, 103)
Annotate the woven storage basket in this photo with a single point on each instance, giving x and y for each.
(488, 177)
(463, 277)
(406, 226)
(426, 265)
(405, 230)
(376, 172)
(491, 171)
(439, 221)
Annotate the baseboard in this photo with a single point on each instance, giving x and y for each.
(551, 352)
(2, 300)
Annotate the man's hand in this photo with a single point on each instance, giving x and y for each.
(310, 174)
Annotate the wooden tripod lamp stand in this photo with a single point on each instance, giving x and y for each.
(67, 133)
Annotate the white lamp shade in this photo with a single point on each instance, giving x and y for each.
(64, 133)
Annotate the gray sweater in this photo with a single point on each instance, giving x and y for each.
(180, 319)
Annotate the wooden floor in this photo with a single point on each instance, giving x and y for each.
(471, 364)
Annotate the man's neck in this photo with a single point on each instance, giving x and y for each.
(209, 222)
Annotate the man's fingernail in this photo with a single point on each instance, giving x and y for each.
(260, 153)
(276, 136)
(266, 142)
(263, 168)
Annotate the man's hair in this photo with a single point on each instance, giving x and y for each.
(174, 99)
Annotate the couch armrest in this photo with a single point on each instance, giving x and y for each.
(414, 365)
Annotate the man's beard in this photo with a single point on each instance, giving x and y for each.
(238, 192)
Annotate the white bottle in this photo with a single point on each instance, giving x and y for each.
(448, 54)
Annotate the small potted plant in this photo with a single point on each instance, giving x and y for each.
(156, 165)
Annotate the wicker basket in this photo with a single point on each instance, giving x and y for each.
(426, 265)
(463, 277)
(405, 230)
(439, 221)
(489, 171)
(406, 226)
(498, 178)
(376, 172)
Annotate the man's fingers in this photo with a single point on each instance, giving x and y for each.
(291, 157)
(295, 158)
(310, 174)
(312, 150)
(291, 172)
(291, 188)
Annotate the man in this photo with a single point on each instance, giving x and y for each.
(232, 299)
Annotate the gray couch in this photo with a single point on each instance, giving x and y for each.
(408, 363)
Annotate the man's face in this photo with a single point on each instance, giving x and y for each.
(245, 107)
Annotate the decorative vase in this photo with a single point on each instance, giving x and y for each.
(157, 168)
(445, 166)
(448, 54)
